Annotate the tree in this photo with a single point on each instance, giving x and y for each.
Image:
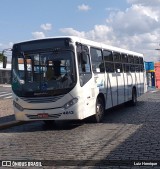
(1, 57)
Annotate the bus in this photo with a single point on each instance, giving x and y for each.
(71, 78)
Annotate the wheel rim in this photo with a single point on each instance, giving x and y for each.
(99, 111)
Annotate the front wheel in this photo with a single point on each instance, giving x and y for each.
(98, 117)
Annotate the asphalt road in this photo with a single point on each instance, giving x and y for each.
(127, 134)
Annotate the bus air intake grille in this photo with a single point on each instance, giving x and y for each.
(42, 99)
(50, 116)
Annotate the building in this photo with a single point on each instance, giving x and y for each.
(5, 74)
(157, 74)
(150, 73)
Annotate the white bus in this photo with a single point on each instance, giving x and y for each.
(69, 78)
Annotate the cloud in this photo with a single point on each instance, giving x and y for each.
(38, 35)
(137, 28)
(6, 46)
(112, 9)
(72, 32)
(145, 2)
(135, 20)
(46, 26)
(83, 7)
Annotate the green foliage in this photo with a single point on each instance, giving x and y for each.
(1, 57)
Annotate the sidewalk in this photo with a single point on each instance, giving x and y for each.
(7, 118)
(149, 88)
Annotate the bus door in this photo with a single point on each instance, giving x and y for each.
(86, 81)
(98, 70)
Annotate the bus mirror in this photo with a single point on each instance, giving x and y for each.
(84, 57)
(4, 61)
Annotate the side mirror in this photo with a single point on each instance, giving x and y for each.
(84, 57)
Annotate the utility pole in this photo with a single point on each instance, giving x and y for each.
(158, 48)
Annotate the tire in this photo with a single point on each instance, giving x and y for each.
(134, 98)
(98, 117)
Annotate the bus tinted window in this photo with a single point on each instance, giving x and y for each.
(124, 58)
(118, 67)
(141, 60)
(141, 68)
(131, 59)
(116, 56)
(132, 68)
(126, 68)
(109, 67)
(97, 60)
(108, 55)
(136, 59)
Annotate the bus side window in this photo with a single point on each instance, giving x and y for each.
(116, 57)
(141, 64)
(118, 67)
(108, 58)
(97, 60)
(126, 68)
(109, 67)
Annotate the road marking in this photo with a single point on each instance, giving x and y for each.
(2, 92)
(153, 91)
(5, 94)
(8, 97)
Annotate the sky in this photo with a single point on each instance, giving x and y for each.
(128, 24)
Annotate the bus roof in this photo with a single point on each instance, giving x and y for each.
(92, 43)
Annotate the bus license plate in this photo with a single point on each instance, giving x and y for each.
(43, 115)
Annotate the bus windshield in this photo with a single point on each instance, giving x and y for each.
(43, 74)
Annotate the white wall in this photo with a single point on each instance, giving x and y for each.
(7, 68)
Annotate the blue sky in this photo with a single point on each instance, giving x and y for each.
(130, 24)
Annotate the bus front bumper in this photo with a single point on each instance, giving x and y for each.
(51, 114)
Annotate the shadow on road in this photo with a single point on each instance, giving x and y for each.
(6, 119)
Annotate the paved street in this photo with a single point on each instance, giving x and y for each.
(127, 133)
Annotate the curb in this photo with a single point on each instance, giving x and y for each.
(10, 124)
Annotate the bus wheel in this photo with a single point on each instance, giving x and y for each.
(98, 117)
(134, 97)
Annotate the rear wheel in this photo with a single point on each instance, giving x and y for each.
(134, 97)
(98, 117)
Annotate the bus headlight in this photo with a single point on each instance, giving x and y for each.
(20, 108)
(70, 103)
